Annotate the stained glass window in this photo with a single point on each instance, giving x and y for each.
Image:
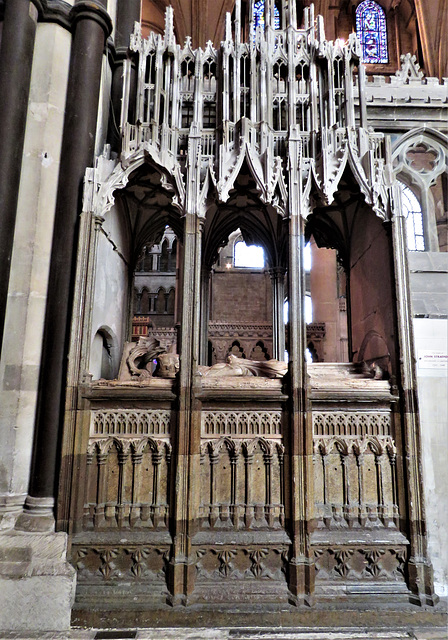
(372, 32)
(414, 219)
(259, 15)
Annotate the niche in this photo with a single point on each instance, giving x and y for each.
(155, 286)
(327, 335)
(241, 300)
(351, 278)
(103, 355)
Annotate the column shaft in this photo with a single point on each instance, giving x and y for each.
(205, 315)
(300, 446)
(16, 57)
(278, 300)
(186, 454)
(91, 24)
(128, 12)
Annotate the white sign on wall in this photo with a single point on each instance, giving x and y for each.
(430, 359)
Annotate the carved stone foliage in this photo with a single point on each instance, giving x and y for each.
(106, 563)
(242, 484)
(241, 423)
(355, 483)
(360, 563)
(127, 483)
(253, 563)
(130, 422)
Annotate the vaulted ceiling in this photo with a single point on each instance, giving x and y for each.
(416, 26)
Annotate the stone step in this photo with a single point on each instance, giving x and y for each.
(234, 633)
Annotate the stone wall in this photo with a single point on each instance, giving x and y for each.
(241, 295)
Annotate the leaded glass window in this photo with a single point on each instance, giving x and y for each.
(372, 32)
(259, 15)
(414, 219)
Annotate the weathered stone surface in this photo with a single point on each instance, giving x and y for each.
(37, 585)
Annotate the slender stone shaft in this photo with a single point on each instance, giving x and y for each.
(91, 25)
(128, 12)
(16, 57)
(278, 300)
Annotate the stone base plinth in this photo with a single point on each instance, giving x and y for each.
(37, 584)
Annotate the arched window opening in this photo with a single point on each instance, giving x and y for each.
(172, 257)
(245, 86)
(170, 302)
(161, 301)
(187, 73)
(240, 294)
(414, 219)
(372, 32)
(248, 256)
(144, 302)
(259, 15)
(155, 298)
(164, 257)
(209, 76)
(209, 91)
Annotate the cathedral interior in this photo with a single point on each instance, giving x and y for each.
(223, 313)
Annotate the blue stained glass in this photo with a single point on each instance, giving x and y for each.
(372, 32)
(259, 15)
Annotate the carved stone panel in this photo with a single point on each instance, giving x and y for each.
(241, 574)
(130, 422)
(241, 423)
(355, 483)
(372, 564)
(242, 484)
(127, 483)
(110, 563)
(351, 423)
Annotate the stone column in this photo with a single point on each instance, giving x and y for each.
(205, 315)
(186, 454)
(16, 57)
(187, 445)
(128, 12)
(278, 300)
(300, 445)
(91, 25)
(420, 571)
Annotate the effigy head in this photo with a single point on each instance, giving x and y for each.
(167, 365)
